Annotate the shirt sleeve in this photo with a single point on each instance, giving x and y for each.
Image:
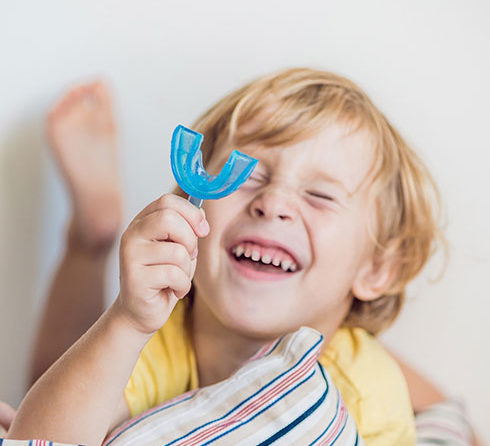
(444, 423)
(145, 386)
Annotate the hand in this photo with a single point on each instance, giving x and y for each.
(158, 259)
(7, 415)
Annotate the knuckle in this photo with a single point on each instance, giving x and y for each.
(166, 217)
(185, 287)
(130, 233)
(188, 286)
(180, 253)
(124, 238)
(125, 247)
(193, 247)
(173, 273)
(197, 216)
(165, 200)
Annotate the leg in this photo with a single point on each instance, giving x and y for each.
(7, 415)
(82, 133)
(429, 406)
(82, 136)
(423, 393)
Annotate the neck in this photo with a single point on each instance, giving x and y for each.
(329, 326)
(219, 352)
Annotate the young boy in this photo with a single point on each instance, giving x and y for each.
(332, 225)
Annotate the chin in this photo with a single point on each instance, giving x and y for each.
(256, 321)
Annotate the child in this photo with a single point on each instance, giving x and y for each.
(332, 225)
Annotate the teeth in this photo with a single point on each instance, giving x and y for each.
(266, 259)
(286, 265)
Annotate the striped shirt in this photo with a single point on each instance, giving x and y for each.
(283, 395)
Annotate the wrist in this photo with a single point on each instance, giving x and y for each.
(125, 327)
(92, 246)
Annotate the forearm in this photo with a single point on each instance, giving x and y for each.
(76, 399)
(74, 302)
(427, 401)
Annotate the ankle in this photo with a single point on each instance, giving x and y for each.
(97, 242)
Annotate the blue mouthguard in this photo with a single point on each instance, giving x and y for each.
(186, 161)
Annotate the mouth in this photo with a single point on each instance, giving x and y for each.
(263, 260)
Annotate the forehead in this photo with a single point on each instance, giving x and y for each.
(337, 153)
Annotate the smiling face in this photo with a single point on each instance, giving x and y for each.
(289, 247)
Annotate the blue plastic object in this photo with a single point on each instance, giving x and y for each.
(189, 172)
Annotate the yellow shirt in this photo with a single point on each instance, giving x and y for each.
(371, 384)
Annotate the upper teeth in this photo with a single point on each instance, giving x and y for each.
(253, 254)
(266, 259)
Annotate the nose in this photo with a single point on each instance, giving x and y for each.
(273, 203)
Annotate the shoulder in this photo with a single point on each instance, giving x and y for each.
(360, 357)
(372, 385)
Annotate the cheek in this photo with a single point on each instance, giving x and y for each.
(218, 211)
(338, 244)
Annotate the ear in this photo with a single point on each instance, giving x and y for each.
(375, 276)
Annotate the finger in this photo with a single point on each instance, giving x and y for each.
(161, 277)
(167, 225)
(164, 253)
(193, 267)
(194, 216)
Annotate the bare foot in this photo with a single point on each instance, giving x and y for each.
(82, 134)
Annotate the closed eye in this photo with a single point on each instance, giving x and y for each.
(322, 196)
(257, 178)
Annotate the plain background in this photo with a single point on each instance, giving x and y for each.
(426, 64)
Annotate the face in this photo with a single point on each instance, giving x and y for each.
(286, 249)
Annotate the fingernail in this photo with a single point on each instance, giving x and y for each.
(203, 227)
(194, 254)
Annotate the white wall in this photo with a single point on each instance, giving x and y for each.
(425, 63)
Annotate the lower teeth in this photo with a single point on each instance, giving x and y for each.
(262, 266)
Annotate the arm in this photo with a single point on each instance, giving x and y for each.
(7, 414)
(81, 131)
(76, 399)
(426, 397)
(423, 393)
(75, 301)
